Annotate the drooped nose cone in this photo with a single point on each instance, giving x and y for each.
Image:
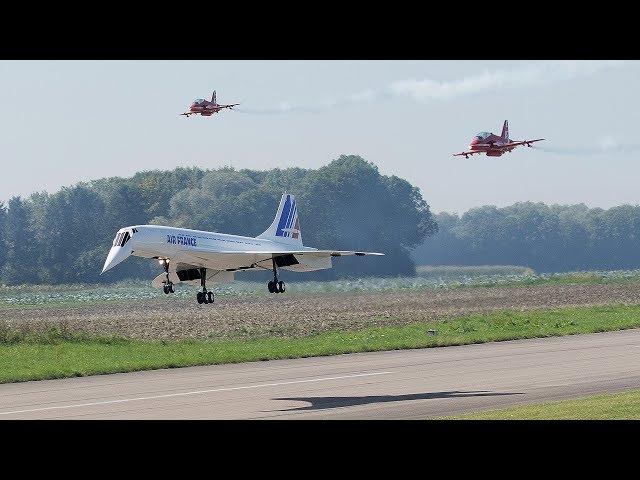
(116, 255)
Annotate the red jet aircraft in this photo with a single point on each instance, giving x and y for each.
(206, 108)
(494, 145)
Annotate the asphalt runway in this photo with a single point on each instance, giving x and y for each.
(407, 384)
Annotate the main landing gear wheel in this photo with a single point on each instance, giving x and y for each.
(168, 288)
(275, 286)
(204, 296)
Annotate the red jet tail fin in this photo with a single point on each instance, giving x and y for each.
(505, 131)
(213, 98)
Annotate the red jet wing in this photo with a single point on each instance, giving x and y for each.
(470, 152)
(520, 142)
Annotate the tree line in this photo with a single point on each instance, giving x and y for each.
(547, 238)
(64, 237)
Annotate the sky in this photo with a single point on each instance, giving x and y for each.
(62, 122)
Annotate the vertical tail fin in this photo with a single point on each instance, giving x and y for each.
(286, 225)
(505, 131)
(213, 98)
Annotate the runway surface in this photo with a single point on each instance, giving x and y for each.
(407, 384)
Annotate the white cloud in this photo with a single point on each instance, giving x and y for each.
(363, 96)
(608, 142)
(523, 76)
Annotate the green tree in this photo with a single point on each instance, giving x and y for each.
(3, 246)
(19, 266)
(547, 238)
(346, 204)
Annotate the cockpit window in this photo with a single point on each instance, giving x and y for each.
(482, 135)
(198, 100)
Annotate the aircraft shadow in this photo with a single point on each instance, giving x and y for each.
(324, 403)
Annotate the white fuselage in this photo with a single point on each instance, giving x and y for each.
(197, 257)
(210, 249)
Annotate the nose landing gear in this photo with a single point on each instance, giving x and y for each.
(275, 286)
(204, 296)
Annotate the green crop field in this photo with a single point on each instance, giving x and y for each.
(444, 277)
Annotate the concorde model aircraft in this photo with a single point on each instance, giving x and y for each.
(493, 145)
(195, 257)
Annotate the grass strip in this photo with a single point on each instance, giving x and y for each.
(55, 353)
(610, 406)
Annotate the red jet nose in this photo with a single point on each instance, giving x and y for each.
(473, 141)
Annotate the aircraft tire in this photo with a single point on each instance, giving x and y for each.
(200, 298)
(210, 297)
(165, 289)
(171, 290)
(271, 287)
(281, 287)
